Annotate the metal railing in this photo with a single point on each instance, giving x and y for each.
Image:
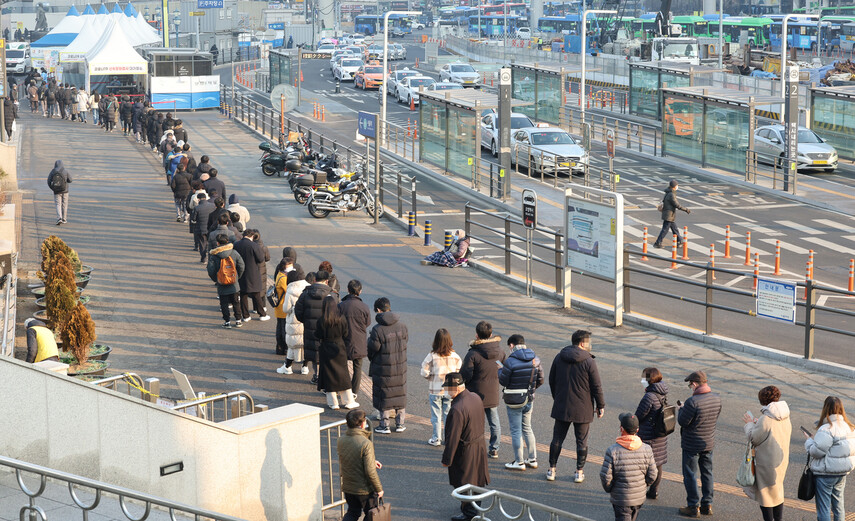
(513, 229)
(629, 133)
(234, 405)
(810, 288)
(496, 503)
(403, 183)
(132, 382)
(774, 169)
(402, 142)
(10, 306)
(328, 471)
(33, 512)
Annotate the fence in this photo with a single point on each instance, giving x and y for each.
(33, 512)
(495, 503)
(237, 54)
(234, 405)
(775, 172)
(329, 472)
(403, 183)
(9, 285)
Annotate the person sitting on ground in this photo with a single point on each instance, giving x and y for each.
(453, 256)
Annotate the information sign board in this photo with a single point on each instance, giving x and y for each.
(776, 300)
(594, 234)
(529, 208)
(210, 4)
(366, 124)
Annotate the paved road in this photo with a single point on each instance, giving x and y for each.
(155, 305)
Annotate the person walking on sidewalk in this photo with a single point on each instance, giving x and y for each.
(358, 318)
(333, 378)
(577, 393)
(439, 362)
(225, 268)
(769, 435)
(669, 207)
(387, 351)
(832, 458)
(521, 375)
(628, 468)
(654, 400)
(481, 376)
(357, 466)
(697, 419)
(10, 114)
(58, 180)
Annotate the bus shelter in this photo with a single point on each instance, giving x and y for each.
(712, 127)
(645, 80)
(450, 128)
(832, 116)
(283, 66)
(182, 79)
(543, 90)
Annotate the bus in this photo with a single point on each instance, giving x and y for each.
(758, 30)
(643, 24)
(495, 25)
(456, 16)
(566, 24)
(499, 9)
(800, 35)
(694, 26)
(847, 37)
(373, 24)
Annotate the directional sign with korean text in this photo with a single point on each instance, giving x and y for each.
(529, 208)
(776, 300)
(210, 4)
(366, 124)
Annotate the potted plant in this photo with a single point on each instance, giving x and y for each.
(78, 335)
(59, 302)
(54, 244)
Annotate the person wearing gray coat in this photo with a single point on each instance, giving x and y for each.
(628, 468)
(670, 205)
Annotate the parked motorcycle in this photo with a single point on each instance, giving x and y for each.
(351, 196)
(319, 179)
(274, 161)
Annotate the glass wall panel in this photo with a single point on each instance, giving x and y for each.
(644, 92)
(523, 89)
(683, 120)
(834, 120)
(461, 141)
(548, 98)
(726, 137)
(432, 135)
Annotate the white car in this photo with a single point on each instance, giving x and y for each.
(444, 85)
(547, 149)
(347, 67)
(400, 51)
(335, 54)
(326, 48)
(461, 73)
(490, 129)
(416, 26)
(357, 38)
(408, 90)
(397, 77)
(524, 33)
(18, 57)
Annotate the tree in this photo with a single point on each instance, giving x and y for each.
(59, 302)
(54, 244)
(60, 269)
(79, 333)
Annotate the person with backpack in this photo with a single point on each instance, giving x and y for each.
(58, 180)
(225, 267)
(52, 105)
(520, 375)
(126, 110)
(656, 421)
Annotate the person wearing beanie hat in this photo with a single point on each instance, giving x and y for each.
(628, 467)
(41, 343)
(697, 419)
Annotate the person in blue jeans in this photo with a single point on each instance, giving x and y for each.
(697, 419)
(520, 375)
(439, 362)
(832, 457)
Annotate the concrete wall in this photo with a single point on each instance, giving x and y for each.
(244, 467)
(9, 163)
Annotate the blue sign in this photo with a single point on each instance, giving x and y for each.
(276, 25)
(776, 300)
(366, 124)
(210, 4)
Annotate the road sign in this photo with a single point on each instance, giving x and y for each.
(368, 40)
(276, 26)
(197, 13)
(776, 300)
(314, 56)
(366, 124)
(210, 4)
(529, 208)
(610, 143)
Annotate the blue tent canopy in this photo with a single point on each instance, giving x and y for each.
(88, 10)
(116, 8)
(130, 11)
(55, 40)
(103, 10)
(73, 12)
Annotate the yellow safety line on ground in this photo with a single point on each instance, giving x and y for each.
(317, 246)
(828, 191)
(547, 201)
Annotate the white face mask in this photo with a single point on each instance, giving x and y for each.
(644, 382)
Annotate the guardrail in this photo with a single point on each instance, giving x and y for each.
(131, 380)
(403, 183)
(10, 306)
(401, 141)
(328, 474)
(628, 133)
(235, 405)
(486, 500)
(33, 512)
(776, 170)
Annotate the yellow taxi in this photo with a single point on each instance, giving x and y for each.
(369, 76)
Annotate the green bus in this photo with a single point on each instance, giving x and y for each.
(693, 25)
(757, 28)
(642, 25)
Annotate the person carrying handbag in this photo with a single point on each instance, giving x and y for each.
(769, 436)
(521, 374)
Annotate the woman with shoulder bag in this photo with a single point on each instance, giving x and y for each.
(832, 457)
(654, 399)
(520, 375)
(769, 435)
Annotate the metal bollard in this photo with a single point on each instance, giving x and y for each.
(427, 232)
(447, 241)
(411, 220)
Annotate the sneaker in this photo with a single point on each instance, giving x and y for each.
(426, 263)
(247, 319)
(578, 477)
(531, 463)
(706, 510)
(493, 453)
(689, 512)
(265, 318)
(58, 222)
(550, 474)
(353, 405)
(238, 323)
(400, 428)
(314, 378)
(178, 219)
(304, 370)
(382, 430)
(284, 370)
(515, 465)
(434, 442)
(657, 244)
(65, 221)
(227, 325)
(334, 407)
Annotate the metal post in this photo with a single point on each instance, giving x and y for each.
(400, 197)
(377, 202)
(708, 309)
(559, 270)
(626, 305)
(507, 246)
(299, 75)
(810, 318)
(413, 194)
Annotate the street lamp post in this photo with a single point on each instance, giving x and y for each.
(720, 33)
(585, 49)
(784, 50)
(176, 19)
(385, 70)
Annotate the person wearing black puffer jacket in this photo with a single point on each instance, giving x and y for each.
(387, 351)
(308, 311)
(521, 374)
(480, 376)
(655, 398)
(697, 419)
(181, 188)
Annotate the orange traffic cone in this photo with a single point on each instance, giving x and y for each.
(301, 75)
(412, 104)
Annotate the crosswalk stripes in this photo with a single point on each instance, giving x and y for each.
(761, 229)
(833, 224)
(798, 250)
(802, 228)
(828, 244)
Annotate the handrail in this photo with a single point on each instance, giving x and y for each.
(182, 407)
(100, 487)
(327, 429)
(471, 493)
(127, 377)
(8, 308)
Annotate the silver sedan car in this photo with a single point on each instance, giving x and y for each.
(547, 149)
(813, 152)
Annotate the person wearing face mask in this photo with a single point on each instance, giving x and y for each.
(452, 256)
(697, 419)
(654, 400)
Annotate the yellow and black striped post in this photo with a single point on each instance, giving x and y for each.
(427, 233)
(447, 241)
(411, 220)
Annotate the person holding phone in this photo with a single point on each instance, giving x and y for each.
(832, 457)
(770, 436)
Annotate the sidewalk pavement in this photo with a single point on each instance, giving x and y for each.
(155, 305)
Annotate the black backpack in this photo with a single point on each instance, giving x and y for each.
(57, 183)
(665, 421)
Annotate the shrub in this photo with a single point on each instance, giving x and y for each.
(54, 244)
(59, 302)
(79, 333)
(60, 269)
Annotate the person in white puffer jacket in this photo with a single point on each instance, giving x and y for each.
(832, 457)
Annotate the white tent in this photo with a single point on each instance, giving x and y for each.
(90, 33)
(132, 31)
(145, 27)
(113, 55)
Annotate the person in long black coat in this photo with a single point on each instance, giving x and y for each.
(250, 282)
(465, 453)
(358, 318)
(10, 113)
(387, 351)
(655, 396)
(307, 309)
(333, 378)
